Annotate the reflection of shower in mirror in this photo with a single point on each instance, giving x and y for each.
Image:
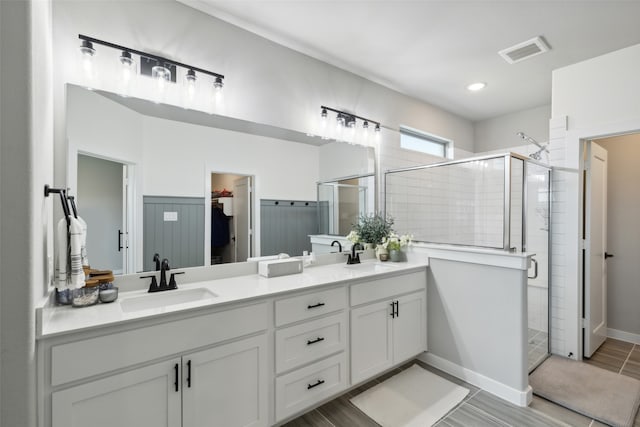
(537, 155)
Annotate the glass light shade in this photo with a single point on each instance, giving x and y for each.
(87, 52)
(127, 71)
(190, 87)
(161, 75)
(218, 84)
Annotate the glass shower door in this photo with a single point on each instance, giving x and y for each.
(537, 242)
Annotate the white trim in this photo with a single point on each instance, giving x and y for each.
(503, 391)
(491, 257)
(623, 336)
(574, 140)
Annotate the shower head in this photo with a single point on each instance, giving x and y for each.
(527, 138)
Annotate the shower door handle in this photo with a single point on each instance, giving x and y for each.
(535, 269)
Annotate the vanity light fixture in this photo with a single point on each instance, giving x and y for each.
(348, 120)
(162, 70)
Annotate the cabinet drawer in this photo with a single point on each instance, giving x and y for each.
(388, 287)
(302, 388)
(310, 341)
(82, 359)
(307, 306)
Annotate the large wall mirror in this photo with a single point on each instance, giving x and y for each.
(199, 188)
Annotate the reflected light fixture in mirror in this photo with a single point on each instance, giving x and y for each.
(161, 70)
(346, 128)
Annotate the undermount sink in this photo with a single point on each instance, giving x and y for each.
(372, 266)
(164, 299)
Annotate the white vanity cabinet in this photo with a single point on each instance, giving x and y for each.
(310, 349)
(218, 378)
(388, 323)
(144, 396)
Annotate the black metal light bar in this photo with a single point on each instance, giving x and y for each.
(364, 119)
(160, 59)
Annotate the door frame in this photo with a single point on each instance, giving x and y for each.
(132, 210)
(586, 257)
(210, 168)
(575, 142)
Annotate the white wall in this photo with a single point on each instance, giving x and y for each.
(265, 82)
(623, 232)
(597, 97)
(175, 156)
(499, 133)
(25, 154)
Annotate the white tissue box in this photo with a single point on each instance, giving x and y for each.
(279, 267)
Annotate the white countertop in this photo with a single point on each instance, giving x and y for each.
(58, 320)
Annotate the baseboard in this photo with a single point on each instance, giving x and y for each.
(517, 397)
(623, 336)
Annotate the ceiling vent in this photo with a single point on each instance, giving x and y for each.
(524, 50)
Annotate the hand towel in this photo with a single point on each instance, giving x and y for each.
(75, 256)
(62, 247)
(83, 247)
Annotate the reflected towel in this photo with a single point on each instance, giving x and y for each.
(83, 247)
(75, 253)
(62, 247)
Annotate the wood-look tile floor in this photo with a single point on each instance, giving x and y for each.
(480, 408)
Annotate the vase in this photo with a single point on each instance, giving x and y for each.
(382, 253)
(395, 255)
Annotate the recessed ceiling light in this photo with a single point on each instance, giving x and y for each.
(473, 87)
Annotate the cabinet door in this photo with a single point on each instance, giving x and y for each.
(410, 326)
(226, 386)
(143, 397)
(370, 340)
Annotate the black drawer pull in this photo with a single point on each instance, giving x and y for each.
(310, 386)
(320, 304)
(176, 372)
(393, 309)
(309, 342)
(189, 374)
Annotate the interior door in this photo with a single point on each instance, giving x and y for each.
(100, 203)
(242, 226)
(595, 276)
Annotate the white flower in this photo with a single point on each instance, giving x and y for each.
(353, 237)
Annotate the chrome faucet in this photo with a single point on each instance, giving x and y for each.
(354, 257)
(339, 245)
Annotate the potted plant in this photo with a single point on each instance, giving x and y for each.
(371, 229)
(395, 244)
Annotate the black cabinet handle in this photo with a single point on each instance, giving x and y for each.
(189, 374)
(120, 233)
(320, 304)
(607, 255)
(397, 309)
(316, 384)
(176, 367)
(309, 342)
(393, 309)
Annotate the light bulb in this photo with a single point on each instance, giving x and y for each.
(161, 75)
(190, 83)
(87, 52)
(218, 84)
(127, 67)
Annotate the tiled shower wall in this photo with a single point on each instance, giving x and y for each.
(457, 204)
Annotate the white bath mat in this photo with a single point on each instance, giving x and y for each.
(413, 398)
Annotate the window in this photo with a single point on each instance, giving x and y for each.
(423, 142)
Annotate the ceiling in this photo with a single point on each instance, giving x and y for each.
(432, 50)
